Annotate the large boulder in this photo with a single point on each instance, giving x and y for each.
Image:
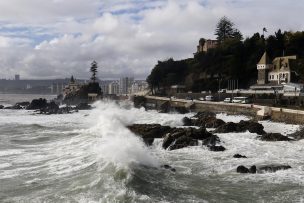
(262, 169)
(211, 141)
(183, 141)
(299, 135)
(239, 156)
(23, 104)
(274, 137)
(242, 126)
(149, 131)
(272, 168)
(1, 107)
(226, 128)
(51, 108)
(37, 104)
(216, 148)
(251, 126)
(204, 119)
(182, 137)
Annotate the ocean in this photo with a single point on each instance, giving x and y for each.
(91, 156)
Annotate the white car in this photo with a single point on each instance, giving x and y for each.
(227, 100)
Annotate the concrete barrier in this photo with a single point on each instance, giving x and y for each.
(256, 111)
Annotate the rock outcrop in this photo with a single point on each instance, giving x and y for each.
(242, 126)
(174, 138)
(274, 137)
(204, 119)
(239, 156)
(262, 169)
(299, 135)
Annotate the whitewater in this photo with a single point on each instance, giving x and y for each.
(91, 156)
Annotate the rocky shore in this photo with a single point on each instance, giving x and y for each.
(202, 130)
(42, 106)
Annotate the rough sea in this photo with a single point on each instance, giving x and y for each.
(91, 156)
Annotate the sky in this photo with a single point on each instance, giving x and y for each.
(42, 39)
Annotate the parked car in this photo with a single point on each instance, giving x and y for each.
(241, 100)
(227, 100)
(209, 98)
(201, 99)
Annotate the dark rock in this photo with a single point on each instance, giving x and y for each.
(51, 108)
(181, 109)
(299, 135)
(205, 119)
(37, 104)
(242, 169)
(262, 169)
(217, 148)
(274, 137)
(1, 107)
(251, 126)
(139, 101)
(242, 126)
(239, 156)
(171, 137)
(182, 142)
(200, 134)
(165, 166)
(226, 128)
(149, 130)
(23, 104)
(211, 141)
(187, 121)
(253, 169)
(273, 168)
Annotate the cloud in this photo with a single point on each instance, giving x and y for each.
(58, 38)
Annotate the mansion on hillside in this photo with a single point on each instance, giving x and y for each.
(205, 45)
(276, 73)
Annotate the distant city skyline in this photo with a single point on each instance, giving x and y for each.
(59, 38)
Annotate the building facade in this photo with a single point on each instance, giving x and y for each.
(205, 45)
(276, 72)
(125, 84)
(114, 88)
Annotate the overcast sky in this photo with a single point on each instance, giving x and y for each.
(60, 38)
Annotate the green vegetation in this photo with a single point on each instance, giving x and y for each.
(93, 70)
(234, 58)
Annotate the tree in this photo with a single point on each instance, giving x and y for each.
(93, 70)
(225, 30)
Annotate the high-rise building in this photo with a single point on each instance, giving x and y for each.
(114, 88)
(17, 77)
(125, 84)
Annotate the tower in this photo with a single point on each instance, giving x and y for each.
(263, 67)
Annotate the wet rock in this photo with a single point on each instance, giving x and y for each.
(239, 156)
(37, 104)
(83, 106)
(165, 166)
(205, 119)
(200, 134)
(51, 108)
(253, 169)
(187, 121)
(251, 126)
(226, 128)
(23, 104)
(262, 169)
(181, 142)
(1, 107)
(242, 126)
(149, 130)
(299, 135)
(211, 141)
(273, 168)
(274, 137)
(217, 148)
(242, 169)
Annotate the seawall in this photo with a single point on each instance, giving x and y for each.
(255, 111)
